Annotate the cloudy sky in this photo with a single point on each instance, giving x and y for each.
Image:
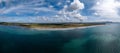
(59, 10)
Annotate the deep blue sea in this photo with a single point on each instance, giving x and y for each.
(100, 39)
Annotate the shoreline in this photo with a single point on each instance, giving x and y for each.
(72, 28)
(58, 26)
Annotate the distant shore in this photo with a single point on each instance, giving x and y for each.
(65, 28)
(59, 26)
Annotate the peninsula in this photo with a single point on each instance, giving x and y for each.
(53, 25)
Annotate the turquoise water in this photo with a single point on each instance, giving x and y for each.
(100, 39)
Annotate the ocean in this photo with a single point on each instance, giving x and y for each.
(99, 39)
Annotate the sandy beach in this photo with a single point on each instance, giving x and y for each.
(71, 28)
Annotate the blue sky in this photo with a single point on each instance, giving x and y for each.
(59, 10)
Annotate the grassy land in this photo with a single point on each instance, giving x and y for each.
(38, 25)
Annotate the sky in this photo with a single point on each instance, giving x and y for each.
(41, 11)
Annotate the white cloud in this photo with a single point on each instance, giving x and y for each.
(76, 5)
(0, 1)
(59, 3)
(68, 1)
(107, 8)
(28, 4)
(72, 11)
(4, 0)
(5, 11)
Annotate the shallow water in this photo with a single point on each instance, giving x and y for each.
(100, 39)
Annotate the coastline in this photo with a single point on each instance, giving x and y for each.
(72, 28)
(54, 26)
